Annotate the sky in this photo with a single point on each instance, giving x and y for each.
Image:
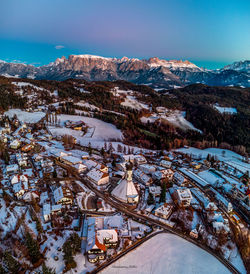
(210, 33)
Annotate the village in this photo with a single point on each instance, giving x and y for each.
(106, 201)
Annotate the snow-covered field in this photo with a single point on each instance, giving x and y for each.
(24, 116)
(132, 102)
(25, 84)
(226, 110)
(175, 118)
(223, 156)
(87, 105)
(166, 253)
(102, 131)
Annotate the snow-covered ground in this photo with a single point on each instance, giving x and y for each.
(24, 116)
(167, 253)
(102, 131)
(25, 84)
(226, 110)
(53, 243)
(227, 155)
(175, 118)
(132, 102)
(87, 105)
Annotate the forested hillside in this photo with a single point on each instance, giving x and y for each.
(197, 101)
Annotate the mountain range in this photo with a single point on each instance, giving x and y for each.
(155, 72)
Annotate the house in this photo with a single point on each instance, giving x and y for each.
(196, 165)
(63, 195)
(99, 239)
(218, 222)
(58, 153)
(19, 179)
(71, 160)
(15, 144)
(194, 233)
(155, 190)
(22, 159)
(84, 155)
(44, 198)
(90, 163)
(27, 148)
(107, 237)
(162, 173)
(139, 159)
(46, 212)
(11, 169)
(56, 209)
(80, 168)
(206, 203)
(178, 178)
(142, 177)
(98, 177)
(183, 197)
(125, 190)
(30, 196)
(164, 211)
(20, 188)
(166, 164)
(222, 201)
(148, 169)
(3, 138)
(102, 168)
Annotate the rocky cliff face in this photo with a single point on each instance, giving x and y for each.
(153, 71)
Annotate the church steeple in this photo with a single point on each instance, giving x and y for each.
(129, 167)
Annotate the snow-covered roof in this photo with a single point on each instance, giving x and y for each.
(184, 194)
(164, 209)
(124, 190)
(19, 178)
(55, 208)
(96, 174)
(90, 163)
(58, 194)
(177, 176)
(141, 176)
(194, 177)
(109, 234)
(12, 168)
(132, 157)
(46, 209)
(113, 221)
(73, 160)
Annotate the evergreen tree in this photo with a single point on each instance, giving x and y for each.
(11, 263)
(54, 174)
(90, 150)
(2, 270)
(113, 163)
(47, 270)
(151, 199)
(70, 248)
(33, 248)
(163, 193)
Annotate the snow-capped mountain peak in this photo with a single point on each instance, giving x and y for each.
(243, 66)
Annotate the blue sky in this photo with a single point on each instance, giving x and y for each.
(210, 33)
